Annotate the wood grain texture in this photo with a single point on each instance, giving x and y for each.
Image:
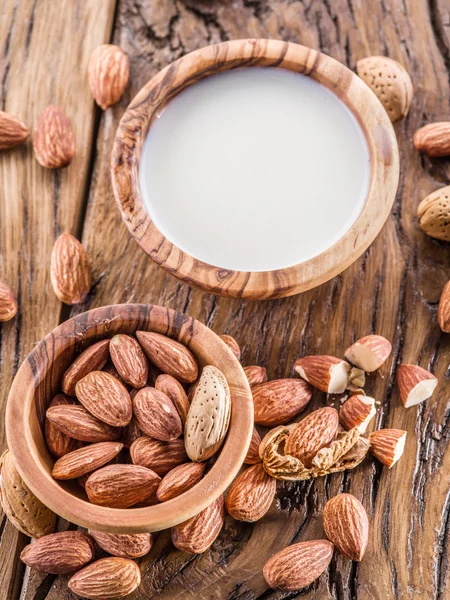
(393, 290)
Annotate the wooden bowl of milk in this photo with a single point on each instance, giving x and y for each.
(255, 168)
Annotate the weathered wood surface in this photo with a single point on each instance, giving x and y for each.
(393, 289)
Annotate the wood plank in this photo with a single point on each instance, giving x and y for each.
(45, 47)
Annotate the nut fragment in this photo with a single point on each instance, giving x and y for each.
(369, 352)
(433, 139)
(327, 373)
(70, 271)
(53, 141)
(108, 73)
(312, 433)
(357, 411)
(8, 304)
(434, 214)
(346, 525)
(57, 553)
(387, 445)
(106, 579)
(12, 131)
(415, 384)
(279, 401)
(251, 494)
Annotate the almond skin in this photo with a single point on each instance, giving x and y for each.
(298, 565)
(169, 356)
(179, 480)
(232, 345)
(78, 423)
(444, 309)
(58, 553)
(106, 579)
(53, 140)
(311, 434)
(58, 442)
(156, 415)
(129, 360)
(326, 373)
(8, 304)
(159, 456)
(251, 494)
(387, 445)
(13, 131)
(255, 375)
(197, 534)
(105, 397)
(415, 384)
(346, 525)
(369, 352)
(121, 486)
(93, 358)
(108, 74)
(433, 139)
(434, 214)
(126, 545)
(70, 271)
(173, 388)
(279, 401)
(84, 460)
(252, 457)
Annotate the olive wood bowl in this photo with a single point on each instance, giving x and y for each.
(189, 69)
(38, 380)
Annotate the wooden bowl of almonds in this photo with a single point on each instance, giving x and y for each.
(112, 400)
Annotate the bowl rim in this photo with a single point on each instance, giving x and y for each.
(34, 462)
(187, 70)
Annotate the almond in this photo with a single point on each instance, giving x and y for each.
(387, 445)
(84, 460)
(327, 373)
(125, 545)
(70, 271)
(58, 553)
(106, 579)
(129, 360)
(53, 141)
(159, 456)
(415, 384)
(232, 345)
(346, 525)
(93, 358)
(179, 480)
(311, 434)
(26, 512)
(130, 432)
(251, 494)
(198, 533)
(369, 352)
(252, 457)
(255, 375)
(12, 131)
(390, 82)
(8, 304)
(105, 398)
(298, 565)
(209, 415)
(58, 442)
(121, 486)
(433, 139)
(156, 415)
(356, 380)
(173, 388)
(434, 214)
(169, 356)
(444, 309)
(279, 401)
(357, 411)
(108, 73)
(78, 423)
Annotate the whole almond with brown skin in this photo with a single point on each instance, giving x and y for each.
(105, 397)
(232, 345)
(58, 442)
(311, 434)
(13, 131)
(179, 480)
(173, 388)
(108, 73)
(251, 494)
(198, 533)
(70, 271)
(121, 486)
(78, 423)
(58, 553)
(255, 375)
(279, 401)
(444, 309)
(53, 140)
(129, 360)
(252, 457)
(93, 358)
(26, 512)
(106, 579)
(434, 214)
(346, 525)
(169, 356)
(156, 415)
(84, 460)
(433, 139)
(131, 432)
(125, 545)
(298, 565)
(8, 304)
(159, 456)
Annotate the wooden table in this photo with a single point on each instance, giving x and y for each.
(393, 289)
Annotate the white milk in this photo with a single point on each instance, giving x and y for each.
(255, 169)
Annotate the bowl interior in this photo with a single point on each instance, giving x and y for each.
(38, 380)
